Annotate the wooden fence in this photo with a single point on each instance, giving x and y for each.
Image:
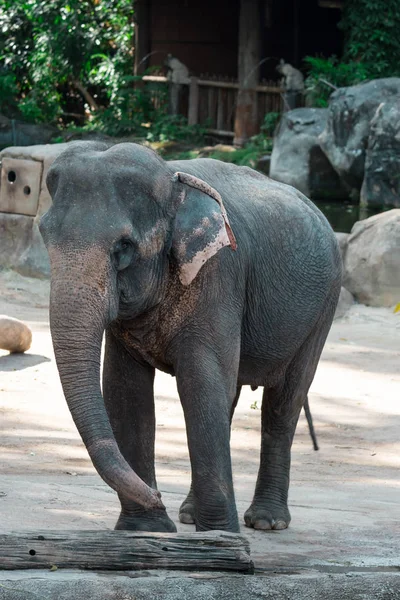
(211, 101)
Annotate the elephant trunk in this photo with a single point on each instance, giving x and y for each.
(80, 309)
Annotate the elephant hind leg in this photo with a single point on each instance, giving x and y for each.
(187, 509)
(281, 408)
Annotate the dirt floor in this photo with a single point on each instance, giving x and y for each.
(344, 499)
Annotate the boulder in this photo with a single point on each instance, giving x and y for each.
(16, 133)
(15, 336)
(372, 261)
(297, 158)
(345, 138)
(345, 302)
(381, 185)
(342, 239)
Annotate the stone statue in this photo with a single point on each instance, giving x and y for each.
(293, 80)
(177, 71)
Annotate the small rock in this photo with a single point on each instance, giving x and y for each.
(15, 336)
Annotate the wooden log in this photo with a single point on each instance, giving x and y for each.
(125, 550)
(155, 78)
(220, 132)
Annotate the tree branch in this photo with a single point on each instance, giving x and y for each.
(88, 97)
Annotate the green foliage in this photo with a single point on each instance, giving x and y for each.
(371, 29)
(245, 157)
(174, 128)
(325, 74)
(271, 120)
(8, 93)
(131, 110)
(371, 50)
(54, 49)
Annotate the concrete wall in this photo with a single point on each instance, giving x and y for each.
(24, 197)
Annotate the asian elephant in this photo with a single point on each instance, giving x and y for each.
(208, 271)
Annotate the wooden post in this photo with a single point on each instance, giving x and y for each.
(126, 550)
(142, 35)
(220, 109)
(175, 92)
(248, 71)
(193, 113)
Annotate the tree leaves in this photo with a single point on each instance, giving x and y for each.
(46, 44)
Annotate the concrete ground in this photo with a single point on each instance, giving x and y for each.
(344, 539)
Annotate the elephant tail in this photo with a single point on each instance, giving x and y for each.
(310, 424)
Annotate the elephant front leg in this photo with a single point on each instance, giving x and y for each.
(280, 412)
(186, 511)
(129, 399)
(207, 388)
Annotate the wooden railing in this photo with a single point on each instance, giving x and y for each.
(211, 101)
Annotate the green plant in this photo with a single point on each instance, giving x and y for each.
(65, 54)
(8, 93)
(271, 120)
(326, 74)
(174, 128)
(371, 50)
(371, 30)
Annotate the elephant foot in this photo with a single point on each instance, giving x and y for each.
(207, 521)
(267, 516)
(186, 511)
(157, 521)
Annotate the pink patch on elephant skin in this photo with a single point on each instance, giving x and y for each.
(189, 270)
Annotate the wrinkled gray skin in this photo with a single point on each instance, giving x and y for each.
(124, 238)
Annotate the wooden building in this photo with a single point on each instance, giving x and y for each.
(237, 39)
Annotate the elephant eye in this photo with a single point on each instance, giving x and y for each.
(123, 254)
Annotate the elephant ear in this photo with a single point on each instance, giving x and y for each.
(201, 226)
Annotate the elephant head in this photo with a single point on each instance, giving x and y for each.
(121, 222)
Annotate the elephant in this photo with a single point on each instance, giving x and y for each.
(208, 271)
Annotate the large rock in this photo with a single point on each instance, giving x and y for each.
(372, 260)
(381, 185)
(16, 133)
(297, 158)
(21, 245)
(345, 138)
(342, 239)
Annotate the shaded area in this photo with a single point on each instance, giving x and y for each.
(18, 362)
(342, 215)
